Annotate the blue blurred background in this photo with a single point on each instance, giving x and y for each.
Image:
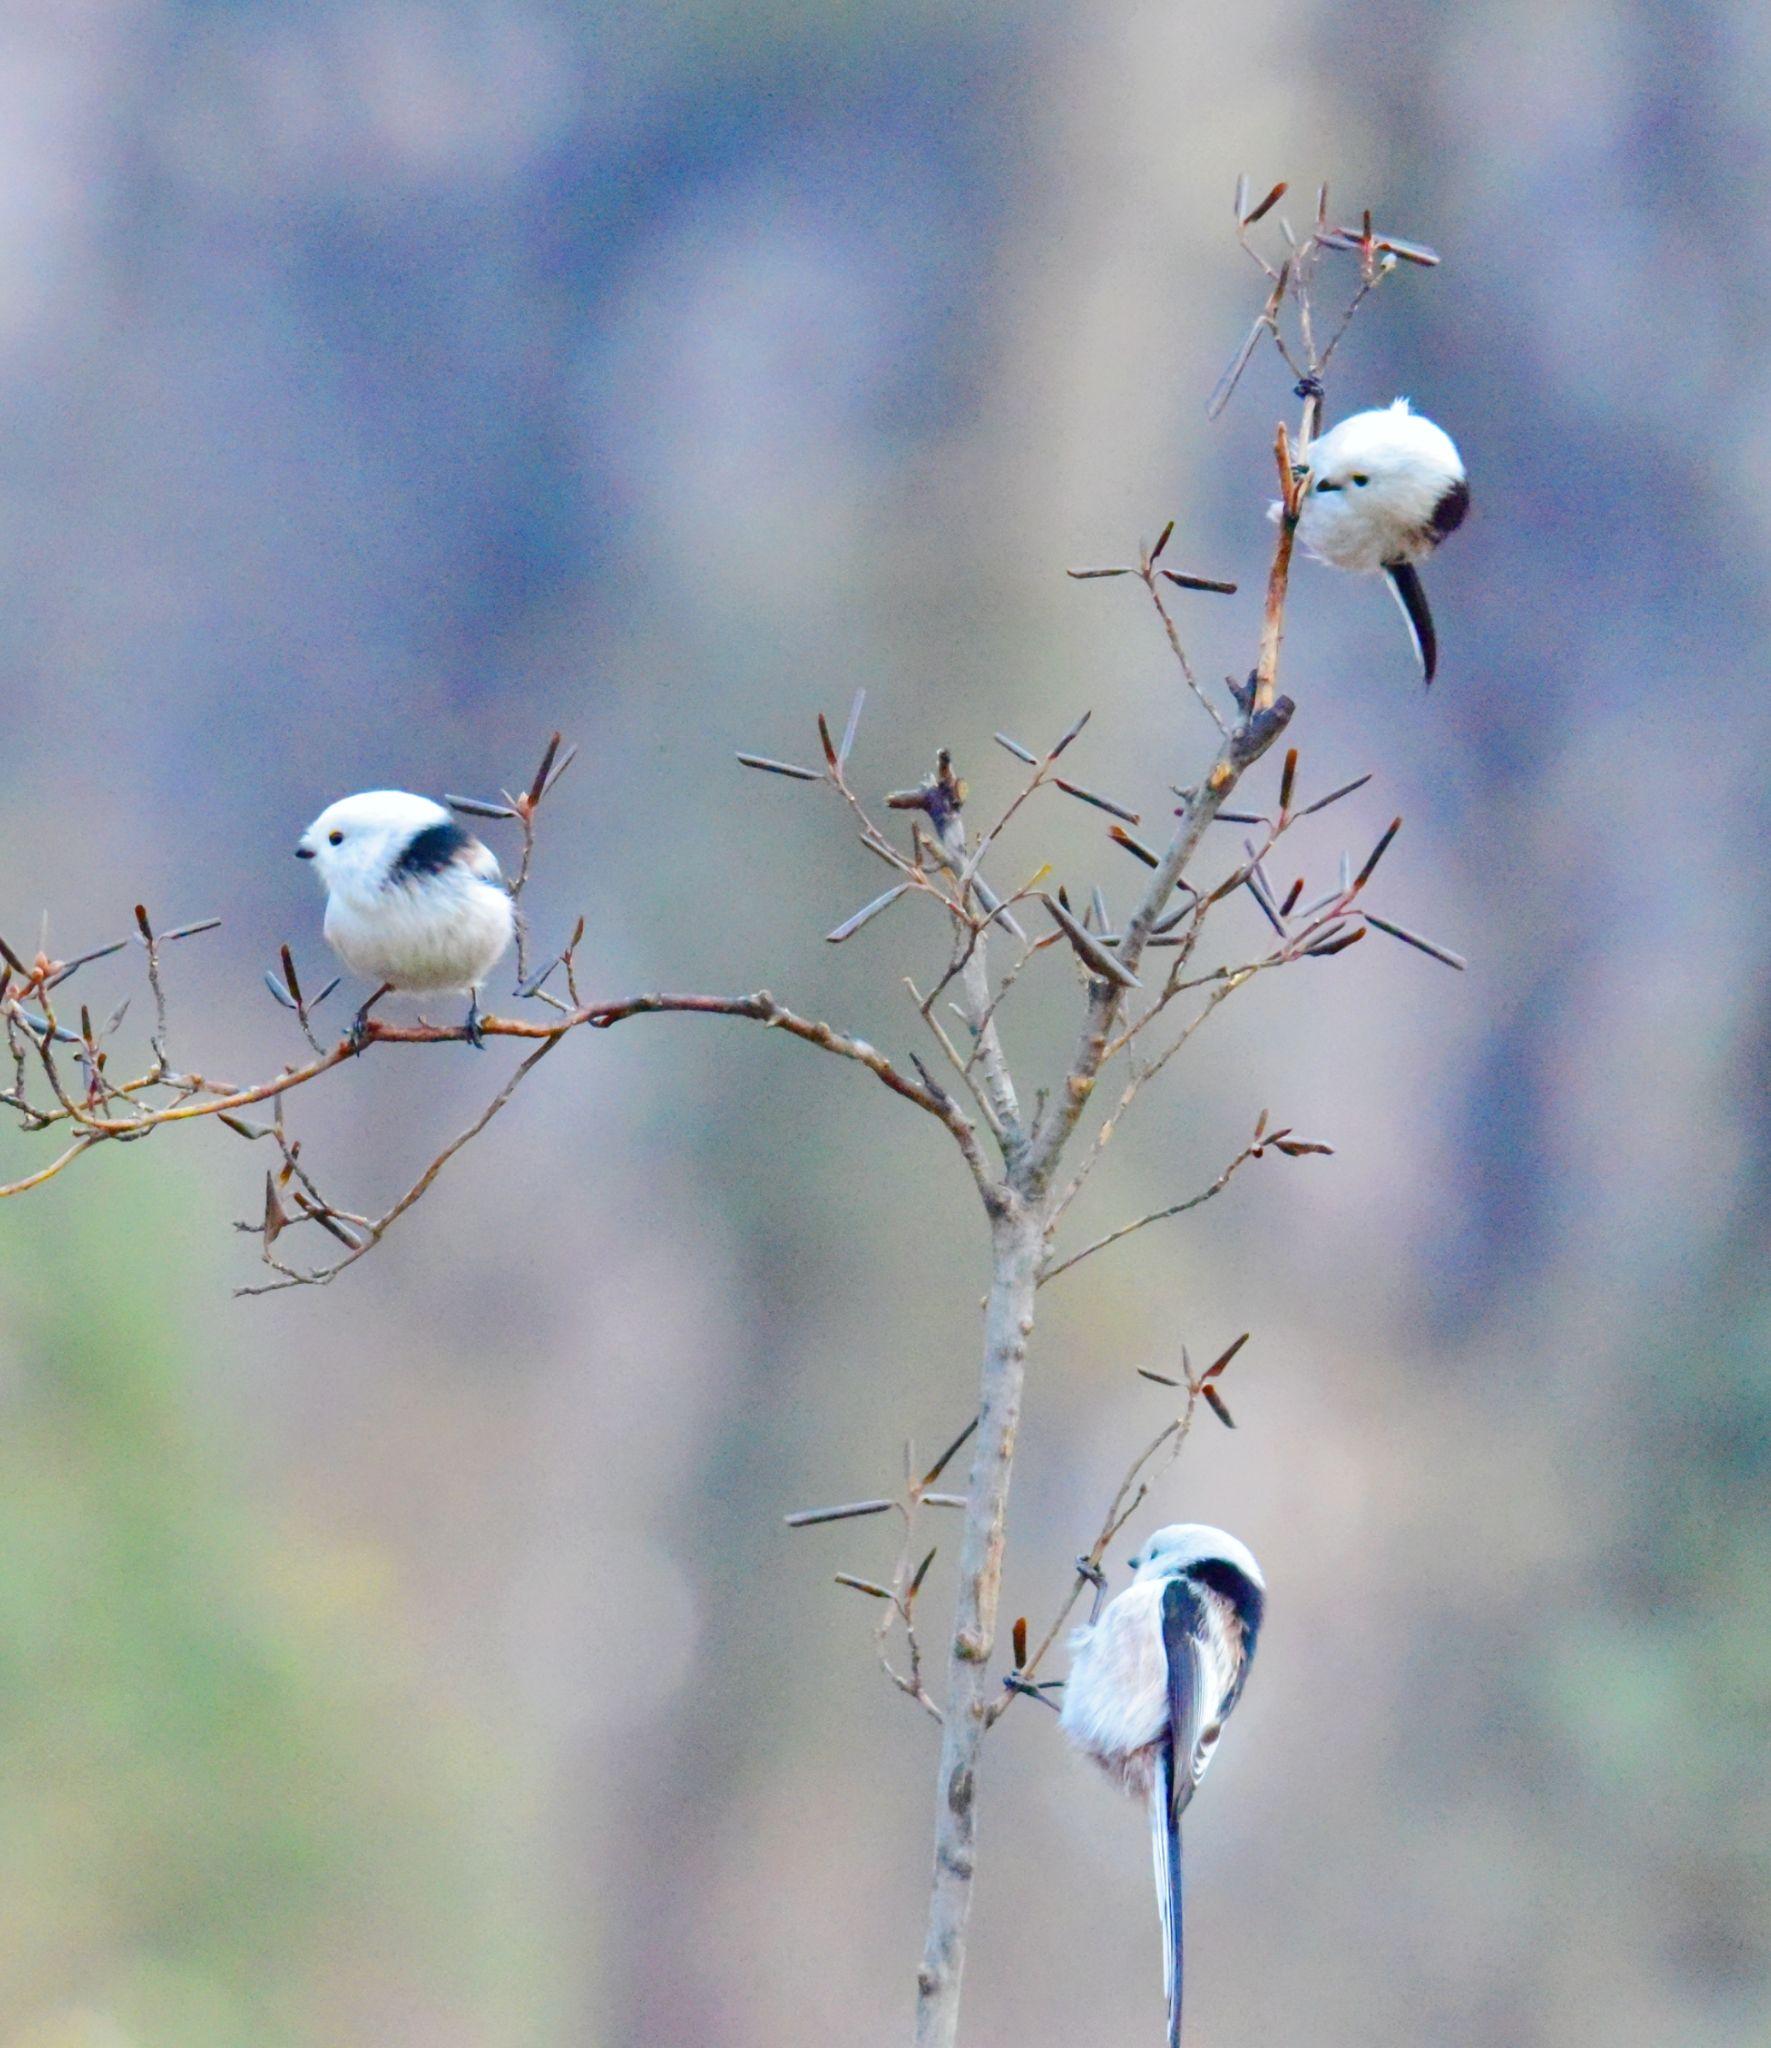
(422, 1661)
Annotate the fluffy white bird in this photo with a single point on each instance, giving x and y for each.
(1384, 489)
(1153, 1680)
(413, 902)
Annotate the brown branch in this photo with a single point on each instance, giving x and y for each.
(940, 796)
(377, 1229)
(1266, 673)
(1034, 946)
(1239, 752)
(1124, 1505)
(1228, 984)
(900, 1593)
(1318, 925)
(361, 1235)
(1248, 1152)
(1148, 572)
(522, 809)
(906, 1583)
(49, 1172)
(760, 1008)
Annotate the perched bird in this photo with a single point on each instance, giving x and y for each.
(1152, 1682)
(1383, 490)
(413, 902)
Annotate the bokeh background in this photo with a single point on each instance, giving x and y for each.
(423, 1660)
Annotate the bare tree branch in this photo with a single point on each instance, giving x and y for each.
(1100, 1244)
(62, 1079)
(373, 1232)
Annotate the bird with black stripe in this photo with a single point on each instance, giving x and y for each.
(414, 903)
(1153, 1678)
(1382, 489)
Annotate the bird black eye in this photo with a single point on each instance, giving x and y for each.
(1362, 479)
(335, 838)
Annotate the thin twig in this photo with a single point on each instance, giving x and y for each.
(1149, 574)
(1155, 1216)
(377, 1230)
(1132, 1494)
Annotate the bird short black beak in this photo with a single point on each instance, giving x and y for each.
(304, 853)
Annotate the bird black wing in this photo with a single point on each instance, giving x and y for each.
(1405, 587)
(1449, 513)
(1184, 1621)
(429, 851)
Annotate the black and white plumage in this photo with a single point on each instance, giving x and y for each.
(413, 902)
(1384, 489)
(1152, 1681)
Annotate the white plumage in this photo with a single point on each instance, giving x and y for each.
(1384, 489)
(1153, 1680)
(413, 902)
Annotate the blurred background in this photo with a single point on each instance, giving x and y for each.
(423, 1660)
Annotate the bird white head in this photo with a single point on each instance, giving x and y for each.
(356, 843)
(1392, 454)
(1183, 1544)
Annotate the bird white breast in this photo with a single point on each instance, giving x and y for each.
(1116, 1695)
(445, 933)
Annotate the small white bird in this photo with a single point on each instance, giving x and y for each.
(1152, 1682)
(1384, 489)
(413, 902)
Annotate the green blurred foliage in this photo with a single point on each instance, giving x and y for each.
(227, 1813)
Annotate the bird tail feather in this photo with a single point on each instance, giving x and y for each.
(1165, 1843)
(1411, 598)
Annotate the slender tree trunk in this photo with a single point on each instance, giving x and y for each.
(1017, 1241)
(1019, 1211)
